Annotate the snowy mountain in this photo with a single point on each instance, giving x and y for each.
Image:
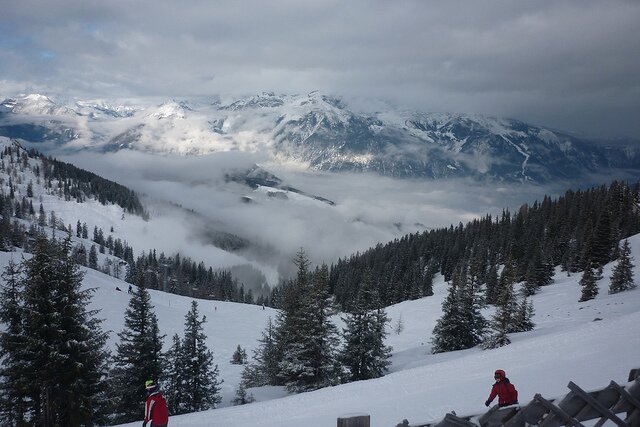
(589, 343)
(323, 133)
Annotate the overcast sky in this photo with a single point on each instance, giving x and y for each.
(573, 65)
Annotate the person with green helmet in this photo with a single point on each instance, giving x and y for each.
(155, 408)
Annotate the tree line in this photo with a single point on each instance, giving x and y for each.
(576, 230)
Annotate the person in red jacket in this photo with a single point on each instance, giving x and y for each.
(155, 409)
(506, 392)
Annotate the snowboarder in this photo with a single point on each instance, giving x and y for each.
(506, 392)
(155, 409)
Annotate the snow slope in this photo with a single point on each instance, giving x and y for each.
(570, 342)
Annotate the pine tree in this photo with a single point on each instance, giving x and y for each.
(449, 327)
(523, 319)
(365, 355)
(589, 285)
(139, 357)
(175, 378)
(242, 398)
(202, 387)
(263, 370)
(13, 389)
(239, 356)
(309, 358)
(502, 322)
(64, 353)
(622, 277)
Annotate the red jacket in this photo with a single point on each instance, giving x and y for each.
(155, 410)
(506, 392)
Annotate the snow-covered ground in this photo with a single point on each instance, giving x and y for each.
(589, 343)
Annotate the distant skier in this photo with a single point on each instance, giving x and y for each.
(506, 392)
(130, 289)
(155, 409)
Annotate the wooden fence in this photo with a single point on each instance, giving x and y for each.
(618, 404)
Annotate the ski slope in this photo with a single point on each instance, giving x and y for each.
(568, 343)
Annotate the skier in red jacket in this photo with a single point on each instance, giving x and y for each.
(155, 409)
(506, 392)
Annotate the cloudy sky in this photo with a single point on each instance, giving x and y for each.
(569, 64)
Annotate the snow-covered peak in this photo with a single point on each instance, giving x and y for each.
(97, 108)
(263, 100)
(170, 110)
(37, 104)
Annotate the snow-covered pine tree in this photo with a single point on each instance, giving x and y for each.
(502, 321)
(309, 358)
(202, 386)
(13, 389)
(523, 318)
(138, 358)
(239, 356)
(242, 398)
(589, 285)
(449, 326)
(622, 276)
(263, 370)
(64, 353)
(472, 302)
(174, 381)
(365, 355)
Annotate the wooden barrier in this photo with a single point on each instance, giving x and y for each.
(355, 421)
(610, 403)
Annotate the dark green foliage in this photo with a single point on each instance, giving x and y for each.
(461, 325)
(365, 355)
(181, 275)
(589, 285)
(200, 375)
(504, 320)
(60, 367)
(622, 277)
(13, 372)
(264, 368)
(175, 383)
(239, 356)
(551, 233)
(305, 334)
(139, 357)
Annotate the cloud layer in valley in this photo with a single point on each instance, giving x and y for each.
(368, 209)
(569, 64)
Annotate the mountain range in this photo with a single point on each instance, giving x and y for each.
(322, 132)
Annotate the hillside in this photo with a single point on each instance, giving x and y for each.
(589, 343)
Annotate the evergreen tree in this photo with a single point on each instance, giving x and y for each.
(13, 389)
(139, 357)
(93, 258)
(589, 285)
(503, 320)
(309, 358)
(263, 370)
(239, 356)
(622, 277)
(523, 319)
(175, 380)
(365, 355)
(242, 398)
(64, 353)
(449, 327)
(202, 387)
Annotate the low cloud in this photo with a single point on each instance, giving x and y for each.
(369, 209)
